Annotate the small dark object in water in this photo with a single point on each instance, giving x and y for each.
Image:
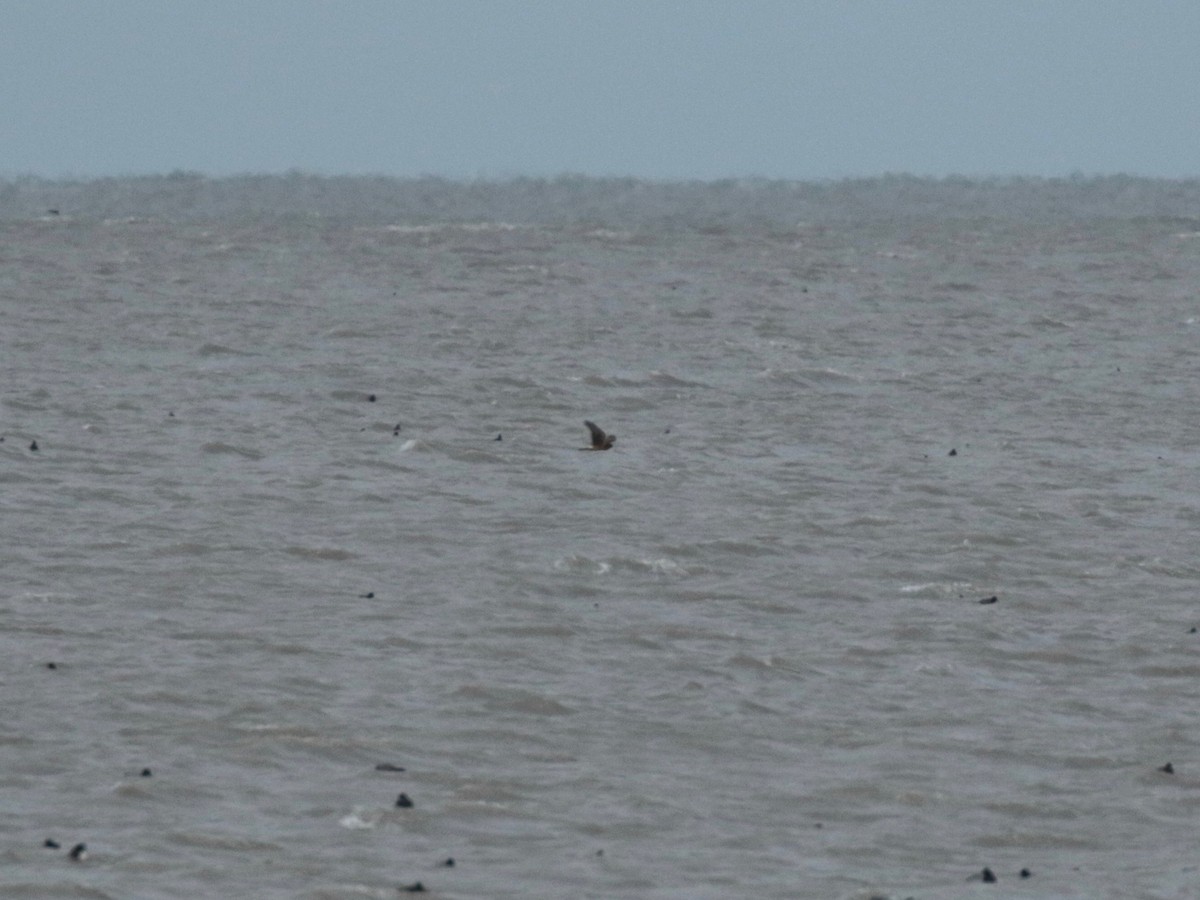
(171, 414)
(371, 398)
(449, 863)
(1025, 873)
(145, 773)
(415, 888)
(1193, 630)
(33, 446)
(369, 595)
(1168, 768)
(389, 767)
(51, 843)
(404, 801)
(987, 876)
(79, 852)
(499, 437)
(991, 599)
(600, 440)
(952, 452)
(51, 665)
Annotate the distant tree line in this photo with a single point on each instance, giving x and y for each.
(583, 201)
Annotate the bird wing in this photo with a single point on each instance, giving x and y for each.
(598, 434)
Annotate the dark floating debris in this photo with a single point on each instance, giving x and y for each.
(145, 773)
(987, 876)
(1168, 769)
(500, 437)
(396, 430)
(449, 863)
(404, 802)
(51, 843)
(51, 665)
(371, 398)
(415, 888)
(952, 452)
(369, 595)
(992, 599)
(33, 446)
(1025, 873)
(1191, 630)
(78, 852)
(389, 767)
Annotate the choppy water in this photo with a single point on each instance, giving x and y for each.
(740, 655)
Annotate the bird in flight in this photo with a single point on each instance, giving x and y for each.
(600, 440)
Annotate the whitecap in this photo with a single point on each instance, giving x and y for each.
(359, 819)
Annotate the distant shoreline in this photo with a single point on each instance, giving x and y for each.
(592, 201)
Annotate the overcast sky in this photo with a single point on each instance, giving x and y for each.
(676, 89)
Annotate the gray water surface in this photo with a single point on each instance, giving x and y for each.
(740, 655)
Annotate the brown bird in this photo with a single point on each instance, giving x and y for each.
(600, 440)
